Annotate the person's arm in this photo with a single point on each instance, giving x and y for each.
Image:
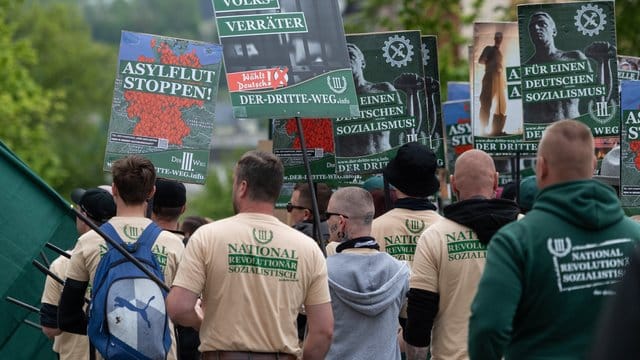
(183, 307)
(421, 311)
(415, 353)
(49, 320)
(422, 300)
(71, 316)
(320, 322)
(51, 332)
(484, 56)
(500, 288)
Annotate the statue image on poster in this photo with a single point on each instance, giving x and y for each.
(497, 98)
(365, 143)
(388, 73)
(493, 93)
(568, 53)
(433, 104)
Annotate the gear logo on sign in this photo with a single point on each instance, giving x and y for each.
(397, 51)
(425, 55)
(590, 20)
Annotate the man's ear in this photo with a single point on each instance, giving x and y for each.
(454, 188)
(153, 191)
(308, 214)
(542, 170)
(241, 189)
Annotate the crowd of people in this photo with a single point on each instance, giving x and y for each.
(532, 276)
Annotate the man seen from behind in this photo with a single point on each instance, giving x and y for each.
(133, 185)
(367, 286)
(449, 260)
(254, 273)
(547, 275)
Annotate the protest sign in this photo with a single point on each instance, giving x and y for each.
(458, 90)
(568, 57)
(318, 137)
(285, 58)
(497, 102)
(630, 144)
(164, 104)
(459, 138)
(628, 68)
(389, 75)
(432, 97)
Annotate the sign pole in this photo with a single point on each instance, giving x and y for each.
(312, 190)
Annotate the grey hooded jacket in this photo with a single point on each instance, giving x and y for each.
(367, 292)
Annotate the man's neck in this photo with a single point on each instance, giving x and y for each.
(131, 210)
(257, 207)
(167, 225)
(546, 48)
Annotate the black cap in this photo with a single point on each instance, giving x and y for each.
(413, 170)
(97, 203)
(169, 193)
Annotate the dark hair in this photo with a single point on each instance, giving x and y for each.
(323, 193)
(169, 199)
(509, 191)
(379, 202)
(167, 213)
(190, 224)
(134, 176)
(263, 173)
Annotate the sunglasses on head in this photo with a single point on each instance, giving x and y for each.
(290, 207)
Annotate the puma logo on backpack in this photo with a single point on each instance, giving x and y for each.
(127, 317)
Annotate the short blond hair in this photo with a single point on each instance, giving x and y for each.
(567, 147)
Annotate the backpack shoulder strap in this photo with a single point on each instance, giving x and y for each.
(149, 236)
(108, 229)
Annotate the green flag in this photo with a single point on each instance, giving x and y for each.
(32, 214)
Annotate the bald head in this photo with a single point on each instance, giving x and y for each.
(475, 175)
(565, 153)
(354, 202)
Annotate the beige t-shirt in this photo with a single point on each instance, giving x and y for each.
(449, 261)
(254, 273)
(69, 346)
(331, 248)
(168, 249)
(397, 231)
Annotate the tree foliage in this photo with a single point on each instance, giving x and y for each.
(215, 201)
(626, 27)
(28, 110)
(169, 18)
(82, 71)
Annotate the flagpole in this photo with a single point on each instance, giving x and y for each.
(314, 200)
(122, 250)
(22, 304)
(58, 250)
(55, 277)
